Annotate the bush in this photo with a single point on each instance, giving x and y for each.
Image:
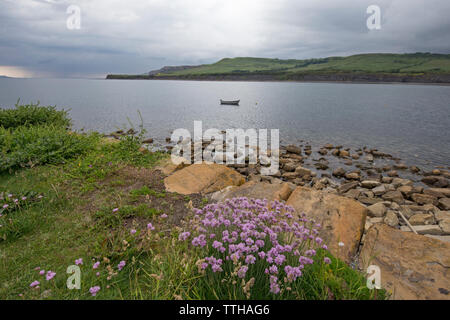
(28, 146)
(33, 114)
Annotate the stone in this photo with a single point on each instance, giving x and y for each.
(149, 140)
(400, 166)
(347, 186)
(202, 178)
(344, 153)
(440, 238)
(353, 193)
(412, 266)
(442, 215)
(438, 192)
(424, 229)
(380, 190)
(386, 179)
(293, 149)
(370, 184)
(290, 166)
(445, 226)
(377, 210)
(394, 196)
(424, 199)
(301, 171)
(444, 203)
(405, 190)
(339, 172)
(421, 219)
(406, 211)
(328, 146)
(256, 190)
(352, 176)
(392, 173)
(391, 218)
(342, 219)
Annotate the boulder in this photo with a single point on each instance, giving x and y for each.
(257, 190)
(425, 229)
(342, 219)
(438, 192)
(445, 226)
(202, 178)
(412, 266)
(376, 210)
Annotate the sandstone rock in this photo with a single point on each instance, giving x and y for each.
(421, 219)
(392, 173)
(328, 146)
(323, 151)
(414, 169)
(412, 266)
(445, 226)
(369, 184)
(441, 238)
(400, 166)
(294, 149)
(347, 186)
(406, 211)
(342, 218)
(353, 193)
(424, 198)
(290, 166)
(425, 229)
(444, 203)
(394, 196)
(438, 192)
(442, 215)
(344, 153)
(405, 190)
(202, 178)
(300, 171)
(377, 210)
(380, 190)
(352, 176)
(339, 172)
(257, 190)
(386, 179)
(391, 218)
(149, 140)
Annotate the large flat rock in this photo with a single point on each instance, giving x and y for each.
(257, 190)
(412, 266)
(202, 178)
(342, 218)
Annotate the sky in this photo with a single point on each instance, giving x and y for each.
(40, 38)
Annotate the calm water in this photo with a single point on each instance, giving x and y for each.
(408, 121)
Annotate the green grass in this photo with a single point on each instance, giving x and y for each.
(370, 63)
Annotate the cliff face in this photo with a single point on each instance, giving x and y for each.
(170, 69)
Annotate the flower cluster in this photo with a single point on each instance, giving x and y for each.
(250, 234)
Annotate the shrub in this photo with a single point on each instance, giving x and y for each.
(252, 249)
(28, 146)
(33, 114)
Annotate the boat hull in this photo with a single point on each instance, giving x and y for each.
(232, 102)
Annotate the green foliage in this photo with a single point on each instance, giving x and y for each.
(28, 146)
(33, 114)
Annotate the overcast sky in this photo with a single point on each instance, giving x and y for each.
(136, 36)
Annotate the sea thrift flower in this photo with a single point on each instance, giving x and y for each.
(50, 275)
(34, 284)
(42, 272)
(79, 261)
(115, 210)
(24, 198)
(242, 271)
(164, 216)
(94, 290)
(98, 274)
(96, 265)
(133, 231)
(5, 206)
(183, 236)
(121, 265)
(150, 227)
(327, 260)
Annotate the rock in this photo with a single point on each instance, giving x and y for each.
(257, 190)
(368, 201)
(386, 179)
(293, 149)
(406, 190)
(328, 146)
(392, 173)
(414, 169)
(290, 175)
(445, 226)
(424, 198)
(444, 203)
(377, 210)
(290, 166)
(391, 218)
(339, 172)
(202, 178)
(355, 156)
(370, 184)
(412, 266)
(438, 192)
(400, 166)
(347, 186)
(321, 166)
(380, 190)
(323, 151)
(352, 176)
(149, 140)
(440, 238)
(369, 158)
(394, 196)
(300, 171)
(335, 152)
(342, 219)
(344, 153)
(406, 211)
(442, 215)
(437, 181)
(308, 152)
(422, 219)
(425, 229)
(353, 193)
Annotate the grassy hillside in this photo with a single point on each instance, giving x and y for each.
(369, 63)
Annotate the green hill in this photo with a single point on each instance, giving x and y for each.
(416, 67)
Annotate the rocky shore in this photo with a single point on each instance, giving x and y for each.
(374, 208)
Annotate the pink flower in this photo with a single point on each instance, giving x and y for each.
(5, 206)
(115, 210)
(50, 275)
(42, 272)
(98, 274)
(150, 227)
(133, 231)
(34, 284)
(164, 216)
(79, 261)
(121, 265)
(327, 260)
(94, 290)
(95, 266)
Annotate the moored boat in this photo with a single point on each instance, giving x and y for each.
(231, 102)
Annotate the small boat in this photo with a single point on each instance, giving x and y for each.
(231, 102)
